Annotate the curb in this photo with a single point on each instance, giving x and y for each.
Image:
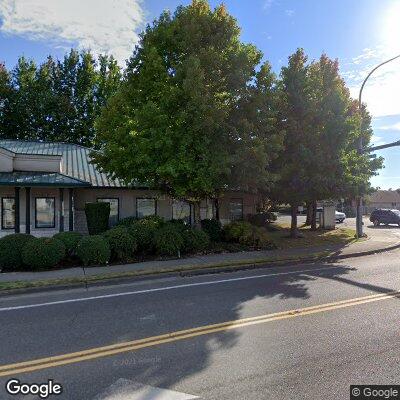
(194, 272)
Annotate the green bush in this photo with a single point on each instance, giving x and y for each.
(41, 253)
(70, 240)
(256, 237)
(213, 228)
(168, 239)
(262, 219)
(236, 230)
(93, 250)
(11, 250)
(97, 216)
(195, 240)
(143, 231)
(246, 234)
(128, 221)
(122, 244)
(349, 211)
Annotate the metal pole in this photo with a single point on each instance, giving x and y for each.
(359, 223)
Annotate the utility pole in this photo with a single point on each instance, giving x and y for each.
(359, 223)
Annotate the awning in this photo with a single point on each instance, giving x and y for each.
(54, 179)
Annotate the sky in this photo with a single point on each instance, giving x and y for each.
(359, 33)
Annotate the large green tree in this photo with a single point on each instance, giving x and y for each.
(192, 116)
(296, 118)
(57, 100)
(321, 120)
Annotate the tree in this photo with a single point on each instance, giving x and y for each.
(190, 109)
(57, 100)
(321, 120)
(296, 118)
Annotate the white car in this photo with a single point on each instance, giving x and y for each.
(339, 216)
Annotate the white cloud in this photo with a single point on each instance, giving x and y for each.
(393, 127)
(289, 13)
(381, 92)
(267, 4)
(103, 26)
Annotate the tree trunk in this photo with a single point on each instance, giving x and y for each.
(293, 226)
(314, 216)
(309, 206)
(197, 219)
(217, 209)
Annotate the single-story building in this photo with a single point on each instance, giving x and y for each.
(44, 187)
(382, 199)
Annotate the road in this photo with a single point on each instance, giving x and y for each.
(273, 345)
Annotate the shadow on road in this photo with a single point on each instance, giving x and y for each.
(167, 365)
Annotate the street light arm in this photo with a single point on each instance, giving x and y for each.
(365, 80)
(382, 146)
(361, 147)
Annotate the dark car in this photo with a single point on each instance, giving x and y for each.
(384, 216)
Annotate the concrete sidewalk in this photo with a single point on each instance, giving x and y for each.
(378, 240)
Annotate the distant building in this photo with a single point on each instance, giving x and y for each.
(382, 199)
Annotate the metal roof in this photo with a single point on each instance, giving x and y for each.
(76, 162)
(20, 178)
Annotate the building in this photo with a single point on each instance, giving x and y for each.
(44, 187)
(382, 199)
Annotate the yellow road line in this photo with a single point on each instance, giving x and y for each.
(89, 354)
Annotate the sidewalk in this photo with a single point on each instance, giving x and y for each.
(378, 240)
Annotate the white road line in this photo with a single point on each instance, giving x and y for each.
(108, 296)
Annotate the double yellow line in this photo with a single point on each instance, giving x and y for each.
(90, 354)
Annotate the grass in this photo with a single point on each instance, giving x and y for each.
(308, 238)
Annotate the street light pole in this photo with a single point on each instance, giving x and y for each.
(359, 223)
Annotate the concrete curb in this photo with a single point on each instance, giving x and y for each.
(115, 280)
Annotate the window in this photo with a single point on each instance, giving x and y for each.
(145, 207)
(114, 209)
(181, 210)
(236, 209)
(45, 212)
(8, 213)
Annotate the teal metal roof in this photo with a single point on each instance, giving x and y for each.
(19, 178)
(76, 162)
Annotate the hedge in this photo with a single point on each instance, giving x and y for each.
(70, 240)
(97, 216)
(41, 253)
(168, 240)
(93, 250)
(143, 232)
(122, 244)
(11, 250)
(213, 228)
(195, 240)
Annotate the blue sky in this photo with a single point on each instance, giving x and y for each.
(360, 34)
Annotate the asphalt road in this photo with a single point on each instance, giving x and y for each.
(309, 354)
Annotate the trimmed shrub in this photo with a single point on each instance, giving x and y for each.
(257, 237)
(195, 240)
(122, 244)
(236, 230)
(246, 234)
(93, 250)
(128, 221)
(213, 228)
(70, 240)
(97, 216)
(11, 250)
(168, 240)
(143, 231)
(262, 219)
(41, 253)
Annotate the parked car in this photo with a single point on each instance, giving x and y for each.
(385, 216)
(339, 216)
